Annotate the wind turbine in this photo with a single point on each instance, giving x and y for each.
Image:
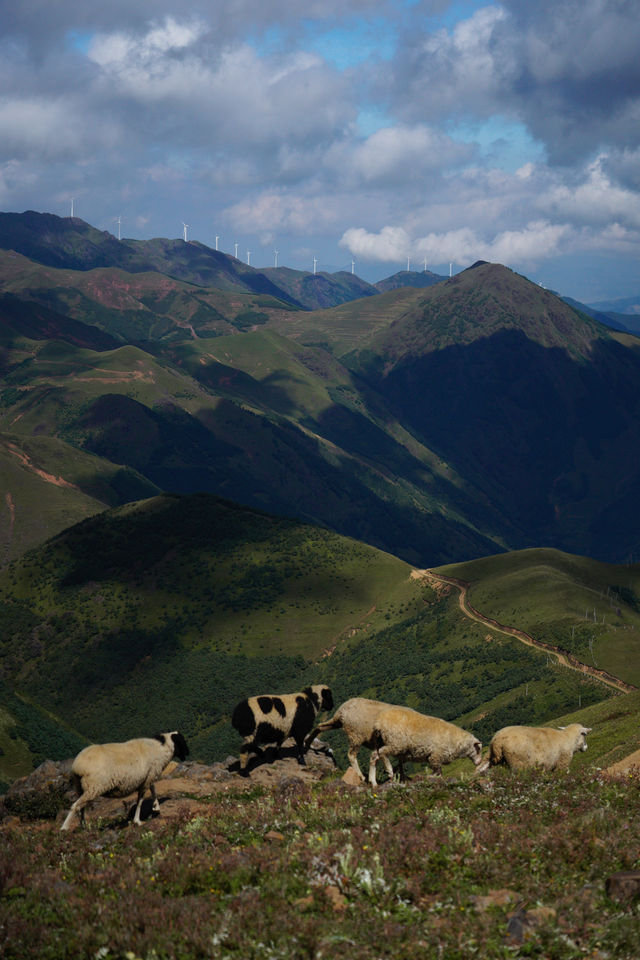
(217, 238)
(408, 264)
(315, 263)
(184, 231)
(248, 258)
(119, 221)
(275, 258)
(450, 268)
(236, 246)
(353, 267)
(72, 199)
(425, 264)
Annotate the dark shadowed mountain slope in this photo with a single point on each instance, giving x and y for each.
(539, 404)
(70, 243)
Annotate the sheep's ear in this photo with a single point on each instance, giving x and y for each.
(478, 747)
(587, 729)
(159, 737)
(180, 748)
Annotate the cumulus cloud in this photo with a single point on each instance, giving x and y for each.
(512, 134)
(536, 241)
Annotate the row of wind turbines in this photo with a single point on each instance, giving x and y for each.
(185, 229)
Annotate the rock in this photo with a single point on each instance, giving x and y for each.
(274, 836)
(336, 897)
(623, 885)
(522, 923)
(351, 778)
(495, 898)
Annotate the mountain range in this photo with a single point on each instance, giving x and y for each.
(477, 414)
(213, 475)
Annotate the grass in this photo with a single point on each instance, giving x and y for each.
(587, 607)
(433, 869)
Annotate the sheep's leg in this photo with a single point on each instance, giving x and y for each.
(352, 755)
(302, 760)
(78, 808)
(154, 797)
(383, 754)
(372, 768)
(136, 816)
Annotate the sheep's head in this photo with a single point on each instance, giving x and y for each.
(180, 748)
(475, 752)
(580, 735)
(321, 696)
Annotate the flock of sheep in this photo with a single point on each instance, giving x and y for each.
(119, 769)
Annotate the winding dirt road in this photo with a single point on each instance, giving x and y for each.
(564, 658)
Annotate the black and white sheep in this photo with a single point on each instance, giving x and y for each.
(357, 717)
(409, 735)
(118, 769)
(522, 748)
(271, 719)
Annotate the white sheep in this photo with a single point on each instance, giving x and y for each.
(524, 747)
(357, 717)
(118, 769)
(272, 718)
(409, 735)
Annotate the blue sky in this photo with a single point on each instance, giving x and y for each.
(376, 131)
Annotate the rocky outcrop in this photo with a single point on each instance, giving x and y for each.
(48, 792)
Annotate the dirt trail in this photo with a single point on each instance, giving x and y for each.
(566, 659)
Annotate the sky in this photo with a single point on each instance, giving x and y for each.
(373, 136)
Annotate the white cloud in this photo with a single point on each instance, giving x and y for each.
(534, 242)
(595, 201)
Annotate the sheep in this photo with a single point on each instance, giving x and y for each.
(357, 718)
(118, 769)
(409, 735)
(272, 718)
(545, 747)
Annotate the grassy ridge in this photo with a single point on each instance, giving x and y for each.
(589, 608)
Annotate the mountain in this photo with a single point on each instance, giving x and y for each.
(626, 305)
(316, 291)
(479, 414)
(627, 323)
(275, 424)
(538, 404)
(409, 278)
(70, 243)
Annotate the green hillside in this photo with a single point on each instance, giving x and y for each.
(135, 306)
(587, 608)
(168, 611)
(199, 413)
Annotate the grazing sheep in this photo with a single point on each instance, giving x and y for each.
(523, 747)
(118, 769)
(271, 719)
(409, 735)
(357, 717)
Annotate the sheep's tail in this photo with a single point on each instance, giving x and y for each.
(496, 754)
(333, 724)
